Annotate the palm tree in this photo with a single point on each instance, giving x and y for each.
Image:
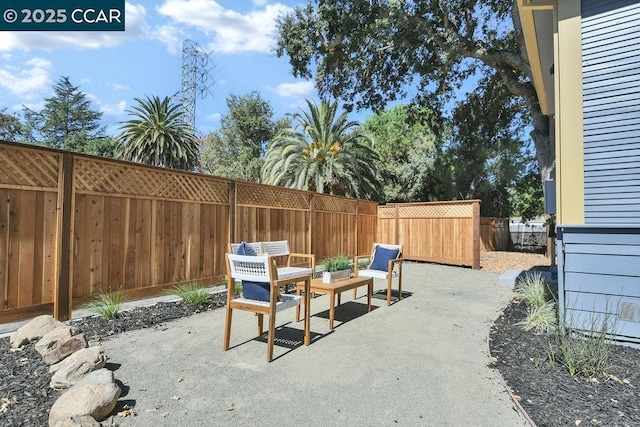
(323, 153)
(158, 135)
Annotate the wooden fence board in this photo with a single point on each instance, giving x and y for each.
(445, 232)
(4, 247)
(73, 225)
(50, 216)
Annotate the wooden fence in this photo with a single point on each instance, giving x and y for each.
(494, 234)
(72, 226)
(443, 232)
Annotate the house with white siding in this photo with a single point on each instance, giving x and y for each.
(585, 58)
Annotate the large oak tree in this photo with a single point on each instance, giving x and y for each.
(368, 52)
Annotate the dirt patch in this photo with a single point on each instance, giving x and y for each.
(499, 262)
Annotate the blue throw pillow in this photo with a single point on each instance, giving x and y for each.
(256, 290)
(381, 258)
(246, 249)
(253, 290)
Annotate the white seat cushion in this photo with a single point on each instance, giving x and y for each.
(376, 274)
(288, 301)
(290, 272)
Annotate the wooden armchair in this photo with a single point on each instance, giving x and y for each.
(258, 270)
(280, 248)
(383, 261)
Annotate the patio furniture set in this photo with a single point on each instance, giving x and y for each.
(254, 265)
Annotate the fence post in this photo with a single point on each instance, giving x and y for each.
(232, 212)
(476, 235)
(312, 218)
(62, 306)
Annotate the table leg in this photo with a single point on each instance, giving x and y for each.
(307, 311)
(369, 294)
(298, 307)
(332, 309)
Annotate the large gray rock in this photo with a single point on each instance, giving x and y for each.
(34, 330)
(78, 421)
(92, 398)
(58, 344)
(75, 367)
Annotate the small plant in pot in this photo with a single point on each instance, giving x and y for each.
(336, 268)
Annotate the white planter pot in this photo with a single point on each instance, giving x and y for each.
(335, 276)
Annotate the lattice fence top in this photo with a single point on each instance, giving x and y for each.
(334, 204)
(32, 168)
(271, 197)
(445, 210)
(367, 208)
(386, 212)
(123, 179)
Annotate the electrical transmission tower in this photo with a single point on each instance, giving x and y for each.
(196, 79)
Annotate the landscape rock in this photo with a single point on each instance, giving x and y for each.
(51, 339)
(34, 330)
(96, 400)
(58, 344)
(99, 376)
(78, 421)
(75, 367)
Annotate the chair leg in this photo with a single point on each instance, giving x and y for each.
(260, 324)
(272, 336)
(227, 328)
(400, 280)
(355, 292)
(389, 289)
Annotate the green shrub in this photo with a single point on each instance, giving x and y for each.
(542, 319)
(107, 305)
(583, 353)
(191, 293)
(533, 290)
(337, 263)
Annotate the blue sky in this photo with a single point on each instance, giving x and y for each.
(113, 68)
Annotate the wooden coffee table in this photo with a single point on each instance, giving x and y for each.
(336, 288)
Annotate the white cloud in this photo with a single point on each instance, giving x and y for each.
(136, 27)
(231, 31)
(27, 81)
(296, 90)
(33, 106)
(118, 86)
(116, 109)
(215, 117)
(171, 36)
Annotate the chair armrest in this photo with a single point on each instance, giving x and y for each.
(394, 261)
(355, 262)
(312, 257)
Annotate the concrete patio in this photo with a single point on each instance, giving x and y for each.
(422, 361)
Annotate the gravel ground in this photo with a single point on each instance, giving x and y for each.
(548, 393)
